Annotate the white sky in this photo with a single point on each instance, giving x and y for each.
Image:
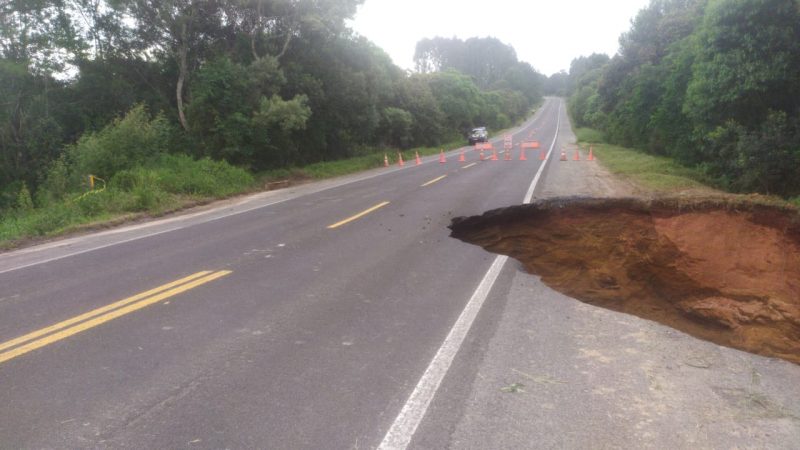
(548, 34)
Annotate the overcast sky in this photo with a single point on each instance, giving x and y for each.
(548, 34)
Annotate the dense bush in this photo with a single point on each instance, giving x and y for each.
(180, 174)
(123, 144)
(710, 83)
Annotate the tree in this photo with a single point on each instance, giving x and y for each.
(180, 29)
(733, 77)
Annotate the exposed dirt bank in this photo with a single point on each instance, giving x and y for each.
(718, 270)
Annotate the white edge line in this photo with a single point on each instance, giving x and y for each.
(529, 194)
(399, 435)
(135, 238)
(405, 425)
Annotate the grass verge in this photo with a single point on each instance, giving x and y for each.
(651, 172)
(168, 183)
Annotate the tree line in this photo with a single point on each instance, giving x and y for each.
(711, 83)
(104, 86)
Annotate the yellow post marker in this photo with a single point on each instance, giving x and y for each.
(91, 182)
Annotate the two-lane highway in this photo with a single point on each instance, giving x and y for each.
(303, 319)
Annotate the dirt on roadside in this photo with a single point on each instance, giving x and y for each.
(722, 269)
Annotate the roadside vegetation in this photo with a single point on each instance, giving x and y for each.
(653, 172)
(173, 103)
(711, 85)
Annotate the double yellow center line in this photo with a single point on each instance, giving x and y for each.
(62, 330)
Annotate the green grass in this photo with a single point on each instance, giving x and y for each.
(169, 183)
(651, 172)
(590, 135)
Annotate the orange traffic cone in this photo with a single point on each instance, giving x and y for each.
(563, 155)
(400, 159)
(522, 154)
(385, 160)
(461, 156)
(508, 155)
(494, 155)
(591, 153)
(542, 156)
(482, 157)
(577, 155)
(442, 159)
(416, 155)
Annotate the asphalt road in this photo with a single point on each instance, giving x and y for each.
(304, 326)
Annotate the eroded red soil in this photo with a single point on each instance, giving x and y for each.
(728, 273)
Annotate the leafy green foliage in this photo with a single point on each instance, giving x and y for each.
(747, 63)
(159, 185)
(123, 144)
(395, 128)
(711, 83)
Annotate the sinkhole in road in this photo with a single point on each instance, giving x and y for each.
(720, 269)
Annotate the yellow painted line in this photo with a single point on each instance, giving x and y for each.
(98, 311)
(357, 216)
(433, 181)
(469, 165)
(147, 299)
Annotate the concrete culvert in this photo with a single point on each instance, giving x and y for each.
(722, 270)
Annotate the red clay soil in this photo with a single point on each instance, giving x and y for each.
(721, 271)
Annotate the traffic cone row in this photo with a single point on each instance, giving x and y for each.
(577, 156)
(508, 156)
